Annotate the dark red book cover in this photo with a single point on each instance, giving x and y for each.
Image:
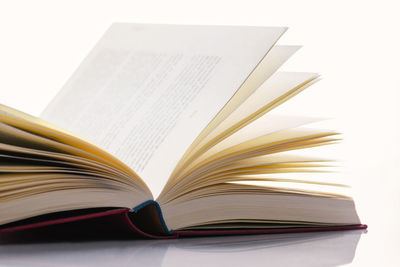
(144, 221)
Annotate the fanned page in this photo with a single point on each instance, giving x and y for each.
(274, 91)
(145, 92)
(44, 169)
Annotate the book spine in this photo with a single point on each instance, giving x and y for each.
(159, 211)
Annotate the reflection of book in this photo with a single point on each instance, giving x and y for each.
(186, 109)
(332, 248)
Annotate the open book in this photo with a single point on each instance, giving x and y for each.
(166, 127)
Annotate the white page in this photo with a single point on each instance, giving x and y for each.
(146, 91)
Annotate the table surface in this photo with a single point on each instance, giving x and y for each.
(356, 247)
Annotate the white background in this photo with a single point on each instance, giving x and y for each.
(353, 44)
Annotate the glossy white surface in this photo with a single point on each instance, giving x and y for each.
(305, 249)
(353, 44)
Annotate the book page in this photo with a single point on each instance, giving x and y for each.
(145, 92)
(268, 66)
(277, 89)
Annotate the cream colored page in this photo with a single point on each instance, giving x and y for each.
(270, 63)
(267, 67)
(271, 90)
(145, 92)
(278, 85)
(267, 124)
(263, 126)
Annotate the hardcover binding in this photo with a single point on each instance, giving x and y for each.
(160, 215)
(120, 222)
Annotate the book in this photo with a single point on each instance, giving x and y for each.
(167, 130)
